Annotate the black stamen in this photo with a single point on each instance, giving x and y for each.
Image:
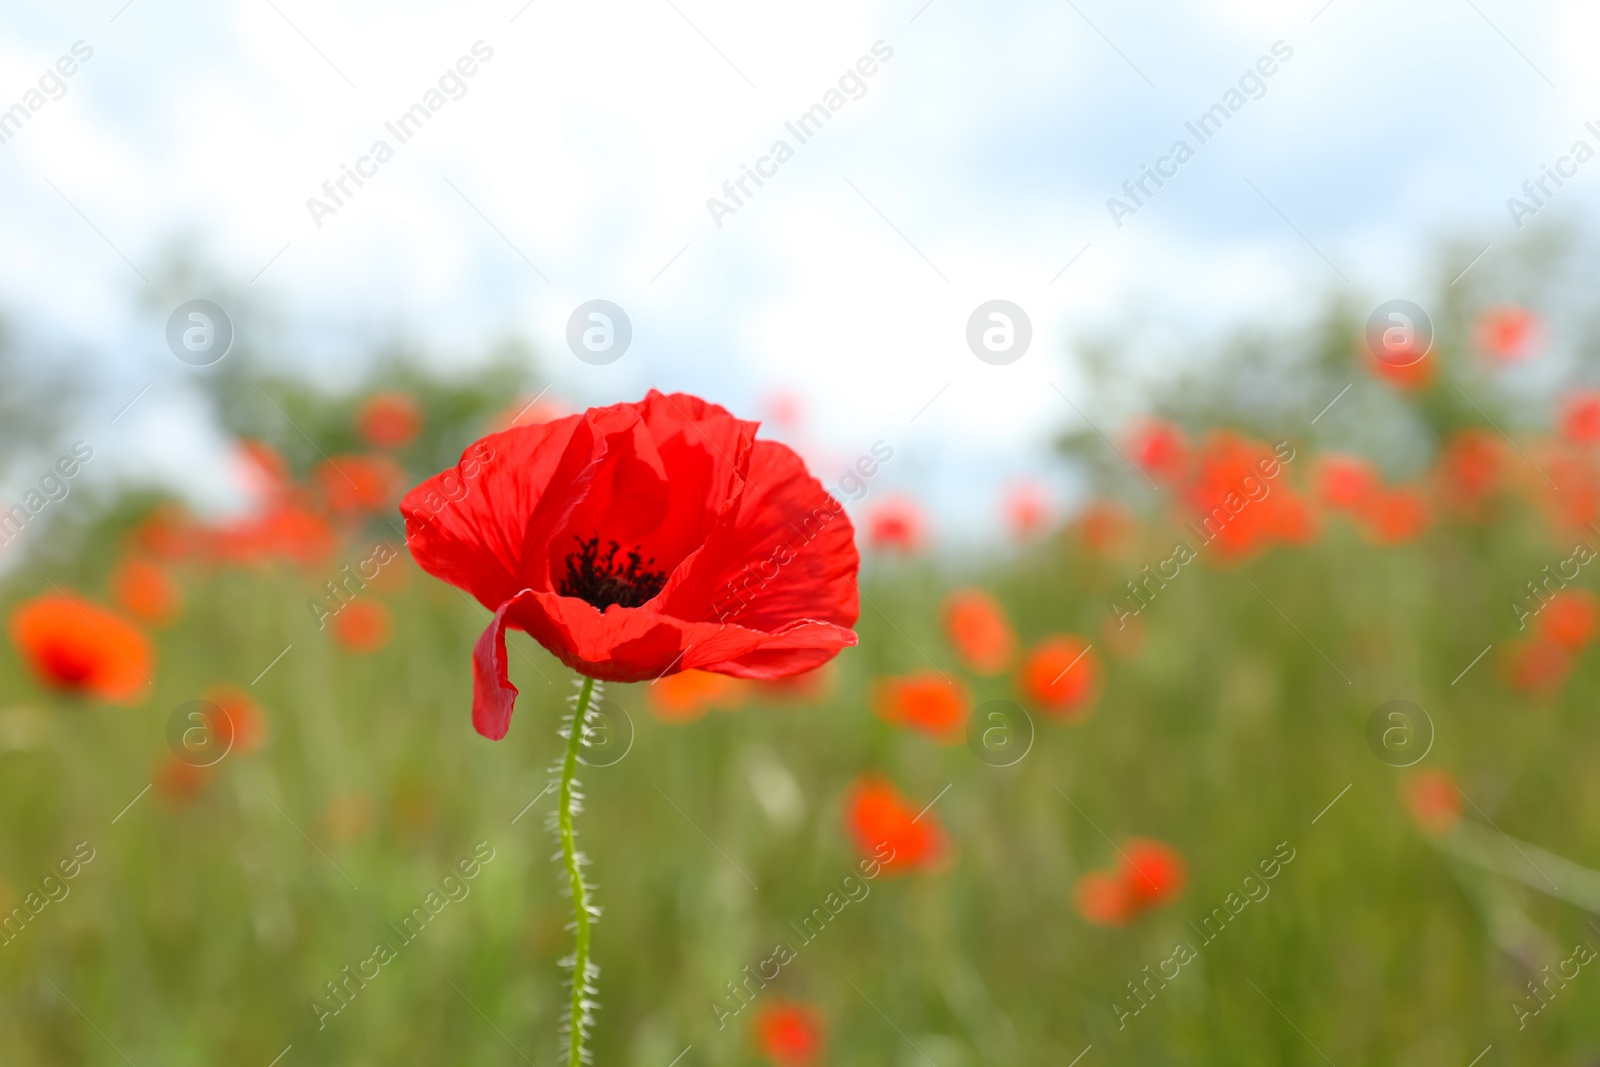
(603, 581)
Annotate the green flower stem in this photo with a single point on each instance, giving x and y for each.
(569, 855)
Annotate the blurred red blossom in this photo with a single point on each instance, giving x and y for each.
(1433, 800)
(1580, 417)
(790, 1033)
(896, 525)
(1027, 510)
(1160, 449)
(77, 647)
(884, 825)
(146, 591)
(1061, 675)
(977, 626)
(925, 701)
(1508, 333)
(389, 420)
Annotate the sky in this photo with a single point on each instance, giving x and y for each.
(974, 163)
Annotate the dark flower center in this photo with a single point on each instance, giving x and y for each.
(603, 580)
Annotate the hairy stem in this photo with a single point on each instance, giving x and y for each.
(581, 986)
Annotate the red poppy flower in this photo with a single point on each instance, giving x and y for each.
(1469, 469)
(641, 539)
(389, 420)
(896, 525)
(1396, 516)
(1403, 371)
(1536, 666)
(1160, 448)
(1508, 333)
(178, 783)
(1568, 619)
(246, 724)
(1238, 493)
(363, 626)
(1103, 899)
(1346, 483)
(145, 591)
(81, 648)
(1433, 800)
(1026, 510)
(1580, 417)
(166, 533)
(886, 827)
(359, 483)
(790, 1034)
(786, 409)
(1062, 675)
(1106, 526)
(263, 470)
(976, 625)
(687, 695)
(925, 701)
(1154, 873)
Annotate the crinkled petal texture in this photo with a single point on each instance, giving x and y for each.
(639, 540)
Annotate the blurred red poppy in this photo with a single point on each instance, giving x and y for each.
(246, 723)
(1537, 665)
(790, 1034)
(167, 533)
(1401, 371)
(264, 471)
(1106, 526)
(355, 484)
(1027, 511)
(389, 420)
(1346, 483)
(896, 525)
(1432, 799)
(1507, 333)
(786, 409)
(146, 591)
(178, 783)
(1568, 619)
(1160, 448)
(1154, 873)
(637, 540)
(81, 648)
(1396, 516)
(878, 816)
(1103, 899)
(1580, 417)
(925, 701)
(1469, 468)
(1240, 497)
(976, 625)
(363, 626)
(1061, 674)
(687, 695)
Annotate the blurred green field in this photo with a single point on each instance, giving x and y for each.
(205, 926)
